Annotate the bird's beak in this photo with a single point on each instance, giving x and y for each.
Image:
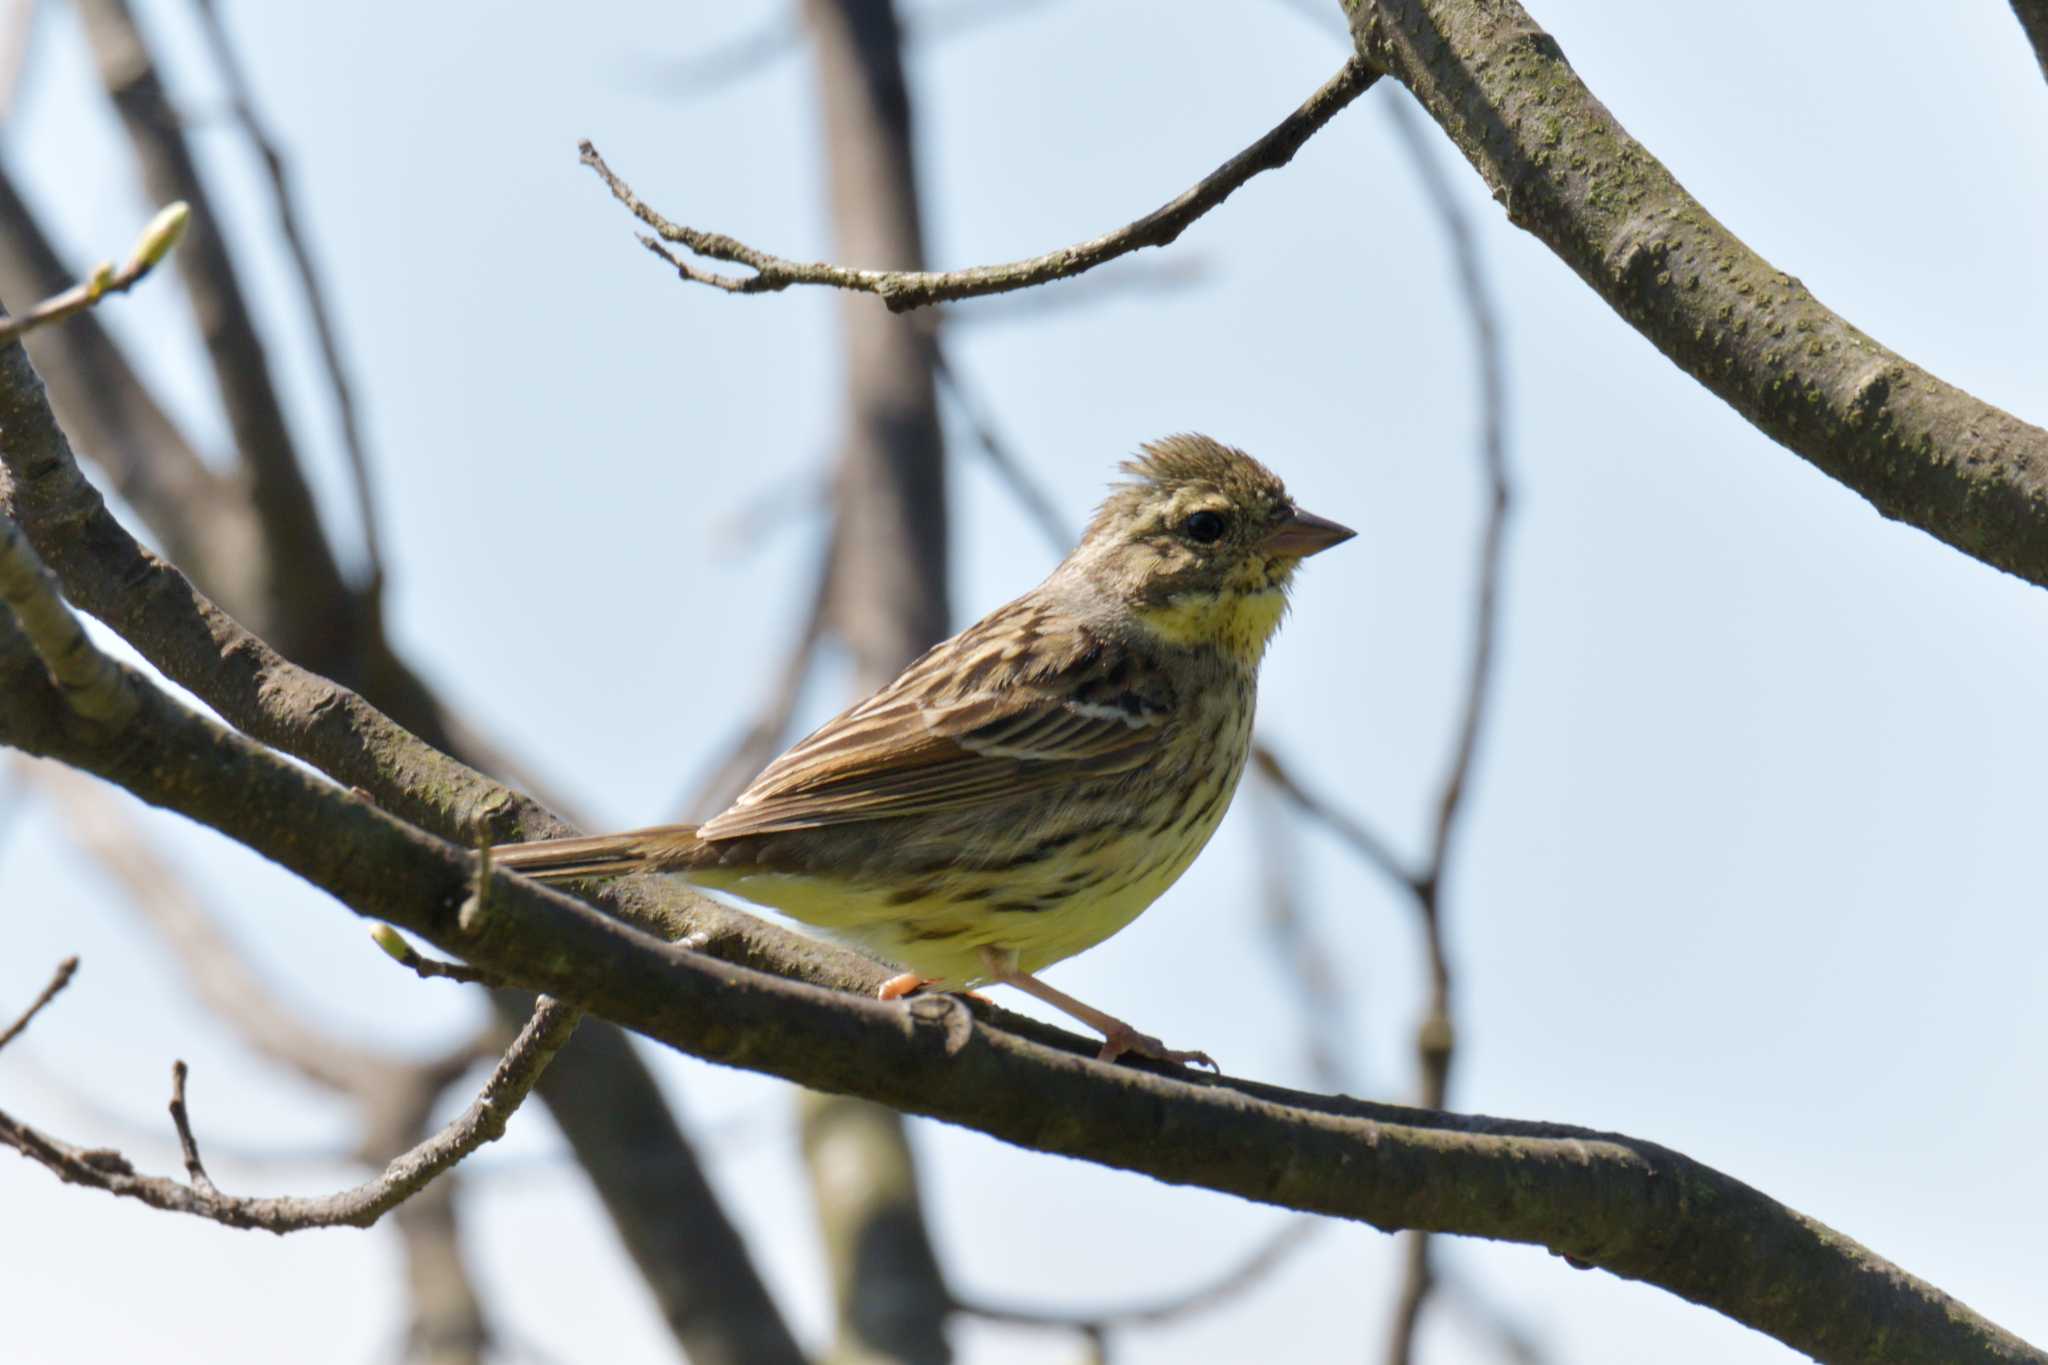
(1304, 534)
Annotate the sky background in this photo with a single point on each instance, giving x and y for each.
(1754, 866)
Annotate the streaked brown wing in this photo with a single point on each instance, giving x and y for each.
(1013, 704)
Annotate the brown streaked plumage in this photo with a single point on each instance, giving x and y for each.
(1026, 788)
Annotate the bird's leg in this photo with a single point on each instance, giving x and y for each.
(1118, 1037)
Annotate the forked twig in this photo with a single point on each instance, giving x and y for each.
(903, 290)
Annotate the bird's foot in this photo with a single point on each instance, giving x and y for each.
(1123, 1038)
(910, 983)
(896, 987)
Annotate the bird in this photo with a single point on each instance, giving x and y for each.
(1025, 789)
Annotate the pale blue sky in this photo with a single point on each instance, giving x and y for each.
(1755, 863)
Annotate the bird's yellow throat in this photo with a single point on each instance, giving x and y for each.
(1239, 620)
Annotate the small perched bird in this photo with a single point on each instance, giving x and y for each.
(1025, 789)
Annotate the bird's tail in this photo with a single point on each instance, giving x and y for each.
(661, 847)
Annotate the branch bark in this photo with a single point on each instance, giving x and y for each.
(1918, 449)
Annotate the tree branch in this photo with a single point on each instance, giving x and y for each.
(1636, 1209)
(1436, 1037)
(304, 569)
(1920, 450)
(906, 289)
(483, 1121)
(1096, 1325)
(241, 103)
(711, 1298)
(61, 978)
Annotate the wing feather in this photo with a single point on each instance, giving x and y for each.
(1013, 705)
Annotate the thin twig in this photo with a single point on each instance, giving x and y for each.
(906, 289)
(1201, 1298)
(1006, 463)
(1436, 1038)
(1343, 824)
(155, 243)
(58, 981)
(188, 1145)
(483, 1121)
(1136, 278)
(432, 969)
(1317, 990)
(764, 736)
(241, 106)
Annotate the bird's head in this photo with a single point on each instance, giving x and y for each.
(1200, 545)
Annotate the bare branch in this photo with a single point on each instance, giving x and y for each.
(483, 1121)
(1345, 826)
(1007, 464)
(1919, 449)
(1211, 1294)
(766, 734)
(1307, 962)
(906, 289)
(1436, 1036)
(188, 1146)
(241, 104)
(158, 238)
(58, 981)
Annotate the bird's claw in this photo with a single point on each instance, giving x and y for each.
(1127, 1039)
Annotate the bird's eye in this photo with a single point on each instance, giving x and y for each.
(1204, 527)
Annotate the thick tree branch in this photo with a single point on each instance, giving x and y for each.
(1631, 1207)
(906, 289)
(1920, 450)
